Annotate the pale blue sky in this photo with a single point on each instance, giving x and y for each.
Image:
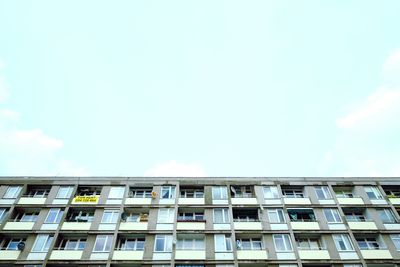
(217, 88)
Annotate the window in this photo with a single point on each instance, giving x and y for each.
(190, 244)
(116, 192)
(131, 244)
(332, 215)
(81, 216)
(168, 192)
(192, 193)
(270, 192)
(140, 192)
(293, 192)
(343, 242)
(166, 215)
(219, 192)
(12, 192)
(222, 243)
(344, 192)
(276, 216)
(396, 241)
(88, 191)
(42, 243)
(163, 243)
(36, 192)
(28, 217)
(354, 215)
(2, 214)
(249, 244)
(73, 244)
(309, 243)
(245, 215)
(386, 216)
(301, 215)
(323, 192)
(373, 192)
(64, 192)
(282, 243)
(191, 216)
(368, 243)
(110, 216)
(103, 243)
(137, 217)
(12, 244)
(221, 216)
(54, 216)
(242, 191)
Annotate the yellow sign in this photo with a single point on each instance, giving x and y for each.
(86, 199)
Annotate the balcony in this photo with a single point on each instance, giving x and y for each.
(190, 254)
(366, 225)
(305, 225)
(350, 200)
(138, 201)
(297, 201)
(128, 255)
(191, 196)
(314, 254)
(26, 200)
(76, 226)
(191, 201)
(19, 226)
(136, 226)
(66, 254)
(294, 195)
(223, 256)
(247, 226)
(394, 199)
(303, 219)
(252, 255)
(9, 254)
(370, 254)
(193, 225)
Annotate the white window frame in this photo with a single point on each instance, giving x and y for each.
(224, 213)
(13, 241)
(388, 213)
(374, 191)
(335, 215)
(140, 192)
(171, 189)
(64, 195)
(57, 217)
(396, 241)
(325, 192)
(166, 215)
(190, 244)
(116, 192)
(44, 247)
(219, 192)
(122, 244)
(227, 243)
(13, 194)
(78, 241)
(113, 218)
(277, 213)
(107, 242)
(252, 242)
(370, 243)
(287, 243)
(167, 245)
(345, 240)
(270, 192)
(3, 212)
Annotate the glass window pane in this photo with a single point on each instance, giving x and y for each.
(117, 192)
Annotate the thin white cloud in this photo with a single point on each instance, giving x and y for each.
(3, 88)
(174, 169)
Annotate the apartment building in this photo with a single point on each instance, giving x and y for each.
(213, 222)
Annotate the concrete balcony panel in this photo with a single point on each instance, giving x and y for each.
(376, 254)
(247, 225)
(285, 255)
(107, 226)
(114, 201)
(9, 254)
(78, 226)
(138, 201)
(32, 200)
(378, 201)
(336, 226)
(19, 225)
(60, 201)
(222, 226)
(244, 201)
(392, 226)
(139, 226)
(252, 255)
(36, 256)
(305, 225)
(7, 201)
(128, 255)
(395, 200)
(314, 254)
(66, 254)
(297, 201)
(190, 254)
(162, 256)
(167, 201)
(223, 255)
(49, 226)
(220, 201)
(350, 201)
(348, 255)
(191, 201)
(164, 226)
(326, 201)
(191, 226)
(362, 226)
(99, 256)
(279, 226)
(272, 201)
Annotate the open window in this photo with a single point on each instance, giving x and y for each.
(301, 215)
(245, 215)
